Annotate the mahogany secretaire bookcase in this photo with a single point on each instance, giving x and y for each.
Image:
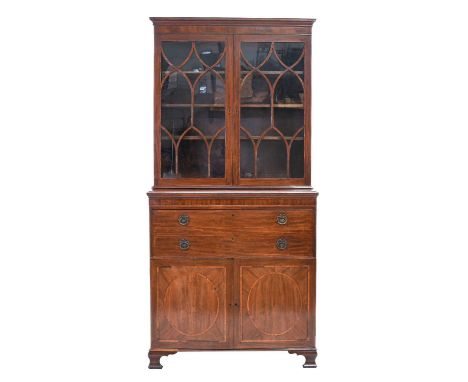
(232, 211)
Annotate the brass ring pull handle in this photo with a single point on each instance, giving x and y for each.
(281, 244)
(184, 219)
(282, 218)
(184, 244)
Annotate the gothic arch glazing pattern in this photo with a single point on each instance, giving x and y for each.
(193, 121)
(272, 110)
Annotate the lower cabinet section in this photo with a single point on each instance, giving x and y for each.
(232, 304)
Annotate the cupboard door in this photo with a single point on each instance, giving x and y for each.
(192, 302)
(273, 127)
(192, 100)
(276, 303)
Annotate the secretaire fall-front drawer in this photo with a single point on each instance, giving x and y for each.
(238, 233)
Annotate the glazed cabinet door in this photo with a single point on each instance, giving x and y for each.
(273, 115)
(191, 303)
(276, 303)
(192, 106)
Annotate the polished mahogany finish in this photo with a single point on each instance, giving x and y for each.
(232, 212)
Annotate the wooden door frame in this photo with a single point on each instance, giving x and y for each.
(156, 343)
(307, 343)
(160, 182)
(271, 182)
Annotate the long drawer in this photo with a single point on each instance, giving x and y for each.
(241, 244)
(214, 222)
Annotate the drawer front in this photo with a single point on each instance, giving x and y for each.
(191, 245)
(174, 222)
(273, 221)
(288, 244)
(190, 222)
(247, 244)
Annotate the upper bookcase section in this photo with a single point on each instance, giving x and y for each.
(231, 25)
(232, 104)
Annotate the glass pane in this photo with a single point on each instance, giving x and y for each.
(220, 68)
(193, 76)
(255, 52)
(272, 157)
(168, 154)
(272, 64)
(176, 51)
(193, 109)
(193, 158)
(209, 89)
(297, 159)
(175, 119)
(245, 68)
(164, 65)
(289, 52)
(289, 89)
(289, 120)
(255, 89)
(272, 77)
(217, 157)
(209, 120)
(193, 65)
(246, 157)
(176, 90)
(210, 51)
(299, 68)
(255, 120)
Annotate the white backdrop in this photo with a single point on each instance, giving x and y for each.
(390, 95)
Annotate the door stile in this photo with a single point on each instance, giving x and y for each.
(230, 111)
(157, 110)
(236, 109)
(307, 110)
